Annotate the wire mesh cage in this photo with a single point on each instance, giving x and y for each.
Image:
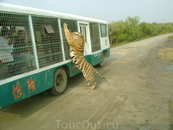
(47, 40)
(16, 49)
(16, 53)
(95, 38)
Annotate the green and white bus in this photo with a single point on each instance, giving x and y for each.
(34, 53)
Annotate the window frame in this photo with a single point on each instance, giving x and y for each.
(103, 30)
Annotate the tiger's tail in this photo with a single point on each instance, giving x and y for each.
(101, 76)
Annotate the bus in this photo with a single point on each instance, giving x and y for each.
(34, 53)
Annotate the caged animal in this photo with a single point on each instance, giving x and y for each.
(76, 43)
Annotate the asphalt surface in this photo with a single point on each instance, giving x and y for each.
(136, 95)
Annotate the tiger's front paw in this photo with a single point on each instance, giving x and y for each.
(65, 25)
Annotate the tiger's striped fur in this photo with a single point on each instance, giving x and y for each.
(76, 43)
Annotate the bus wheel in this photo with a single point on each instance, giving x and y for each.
(60, 82)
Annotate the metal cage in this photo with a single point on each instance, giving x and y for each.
(16, 52)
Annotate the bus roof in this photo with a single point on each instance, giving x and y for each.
(8, 8)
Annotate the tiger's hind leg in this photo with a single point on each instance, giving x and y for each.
(89, 84)
(89, 77)
(92, 83)
(94, 86)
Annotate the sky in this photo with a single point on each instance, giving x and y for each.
(159, 11)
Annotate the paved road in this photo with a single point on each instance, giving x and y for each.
(137, 95)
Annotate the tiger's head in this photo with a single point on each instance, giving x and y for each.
(79, 38)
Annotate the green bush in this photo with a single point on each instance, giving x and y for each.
(131, 29)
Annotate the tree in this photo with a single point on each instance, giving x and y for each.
(131, 29)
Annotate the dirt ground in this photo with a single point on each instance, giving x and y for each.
(136, 95)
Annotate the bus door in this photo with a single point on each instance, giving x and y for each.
(84, 29)
(104, 37)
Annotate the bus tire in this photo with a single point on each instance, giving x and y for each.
(59, 82)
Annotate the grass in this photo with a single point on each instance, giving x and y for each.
(118, 44)
(166, 53)
(171, 37)
(125, 42)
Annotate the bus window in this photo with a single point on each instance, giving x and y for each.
(47, 40)
(103, 28)
(72, 25)
(84, 32)
(95, 39)
(16, 53)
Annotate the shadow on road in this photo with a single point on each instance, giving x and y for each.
(33, 104)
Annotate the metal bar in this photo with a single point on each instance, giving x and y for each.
(16, 48)
(100, 37)
(48, 44)
(61, 38)
(33, 41)
(12, 63)
(49, 55)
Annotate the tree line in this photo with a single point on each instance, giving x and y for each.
(131, 29)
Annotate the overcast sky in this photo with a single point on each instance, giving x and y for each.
(160, 11)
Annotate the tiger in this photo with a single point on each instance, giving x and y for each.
(76, 44)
